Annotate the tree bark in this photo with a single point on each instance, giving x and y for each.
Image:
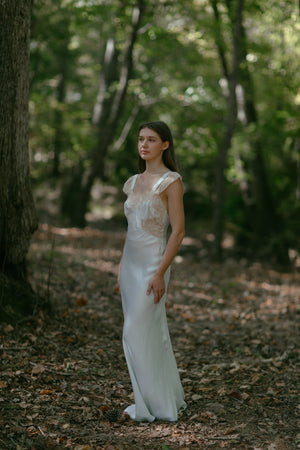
(18, 218)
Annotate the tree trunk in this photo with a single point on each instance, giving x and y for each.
(264, 212)
(265, 221)
(106, 117)
(18, 218)
(63, 57)
(230, 121)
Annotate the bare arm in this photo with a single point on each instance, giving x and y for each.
(174, 198)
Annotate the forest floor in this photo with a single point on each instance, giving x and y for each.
(234, 328)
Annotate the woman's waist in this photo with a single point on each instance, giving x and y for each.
(142, 242)
(148, 236)
(142, 256)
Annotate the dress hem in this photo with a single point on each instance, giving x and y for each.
(130, 411)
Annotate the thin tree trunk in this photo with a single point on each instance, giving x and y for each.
(230, 120)
(263, 219)
(106, 116)
(265, 222)
(126, 129)
(107, 123)
(297, 152)
(58, 127)
(58, 123)
(264, 211)
(63, 59)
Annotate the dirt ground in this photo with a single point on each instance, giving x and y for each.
(234, 328)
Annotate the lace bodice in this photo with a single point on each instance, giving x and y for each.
(145, 209)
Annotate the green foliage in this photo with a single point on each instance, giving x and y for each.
(177, 78)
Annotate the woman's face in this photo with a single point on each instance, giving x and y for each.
(150, 145)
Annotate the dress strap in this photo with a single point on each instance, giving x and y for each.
(160, 181)
(134, 178)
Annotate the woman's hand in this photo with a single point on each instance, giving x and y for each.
(157, 284)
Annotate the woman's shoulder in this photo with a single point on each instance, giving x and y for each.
(167, 179)
(128, 185)
(173, 175)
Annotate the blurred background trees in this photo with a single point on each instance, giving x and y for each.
(224, 74)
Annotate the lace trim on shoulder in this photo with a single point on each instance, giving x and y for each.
(166, 181)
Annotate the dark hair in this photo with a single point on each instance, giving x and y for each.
(164, 132)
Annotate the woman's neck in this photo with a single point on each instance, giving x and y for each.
(155, 169)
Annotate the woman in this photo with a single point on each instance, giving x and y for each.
(154, 200)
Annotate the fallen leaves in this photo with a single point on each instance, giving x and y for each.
(64, 380)
(38, 369)
(81, 300)
(46, 392)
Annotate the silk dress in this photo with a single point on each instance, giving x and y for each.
(158, 393)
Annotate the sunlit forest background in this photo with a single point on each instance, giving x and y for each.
(229, 91)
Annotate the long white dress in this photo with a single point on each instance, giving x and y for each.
(157, 388)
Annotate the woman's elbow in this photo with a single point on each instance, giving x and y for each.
(180, 234)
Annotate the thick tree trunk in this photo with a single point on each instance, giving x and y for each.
(18, 218)
(106, 116)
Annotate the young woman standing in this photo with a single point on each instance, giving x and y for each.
(155, 200)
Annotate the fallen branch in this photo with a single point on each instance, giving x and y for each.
(41, 431)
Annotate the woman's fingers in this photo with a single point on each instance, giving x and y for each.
(158, 295)
(149, 288)
(158, 298)
(157, 285)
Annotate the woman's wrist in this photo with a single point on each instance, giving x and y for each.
(160, 273)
